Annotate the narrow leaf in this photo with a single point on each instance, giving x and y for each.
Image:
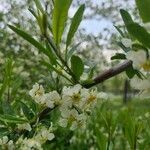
(30, 39)
(126, 17)
(119, 30)
(71, 51)
(75, 24)
(139, 33)
(144, 9)
(3, 132)
(12, 119)
(39, 6)
(77, 66)
(59, 18)
(118, 56)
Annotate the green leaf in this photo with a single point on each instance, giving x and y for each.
(3, 88)
(126, 17)
(75, 24)
(119, 30)
(91, 72)
(39, 6)
(3, 132)
(7, 108)
(53, 68)
(12, 119)
(7, 76)
(51, 54)
(118, 56)
(144, 9)
(30, 39)
(59, 18)
(33, 13)
(77, 66)
(71, 51)
(125, 49)
(139, 33)
(27, 110)
(131, 72)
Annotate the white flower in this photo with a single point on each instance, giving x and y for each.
(72, 119)
(63, 122)
(126, 42)
(44, 134)
(147, 115)
(47, 99)
(103, 95)
(29, 144)
(6, 143)
(147, 26)
(47, 135)
(11, 145)
(5, 139)
(139, 59)
(142, 85)
(71, 91)
(36, 141)
(54, 75)
(25, 126)
(51, 99)
(74, 103)
(88, 99)
(37, 91)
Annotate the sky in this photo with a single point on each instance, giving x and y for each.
(96, 26)
(91, 26)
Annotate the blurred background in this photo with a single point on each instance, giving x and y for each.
(97, 37)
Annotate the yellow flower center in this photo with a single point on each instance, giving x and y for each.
(91, 99)
(38, 92)
(146, 66)
(76, 97)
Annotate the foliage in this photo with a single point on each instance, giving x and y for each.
(50, 113)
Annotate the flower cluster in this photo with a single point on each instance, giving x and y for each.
(75, 103)
(35, 142)
(25, 126)
(140, 60)
(5, 143)
(42, 98)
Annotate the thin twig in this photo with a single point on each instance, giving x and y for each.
(110, 73)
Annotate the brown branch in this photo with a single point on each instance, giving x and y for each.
(110, 73)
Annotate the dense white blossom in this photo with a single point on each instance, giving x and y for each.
(6, 143)
(25, 126)
(42, 98)
(42, 135)
(28, 144)
(142, 85)
(126, 42)
(147, 26)
(75, 102)
(37, 92)
(140, 60)
(72, 119)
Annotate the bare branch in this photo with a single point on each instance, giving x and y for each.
(110, 73)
